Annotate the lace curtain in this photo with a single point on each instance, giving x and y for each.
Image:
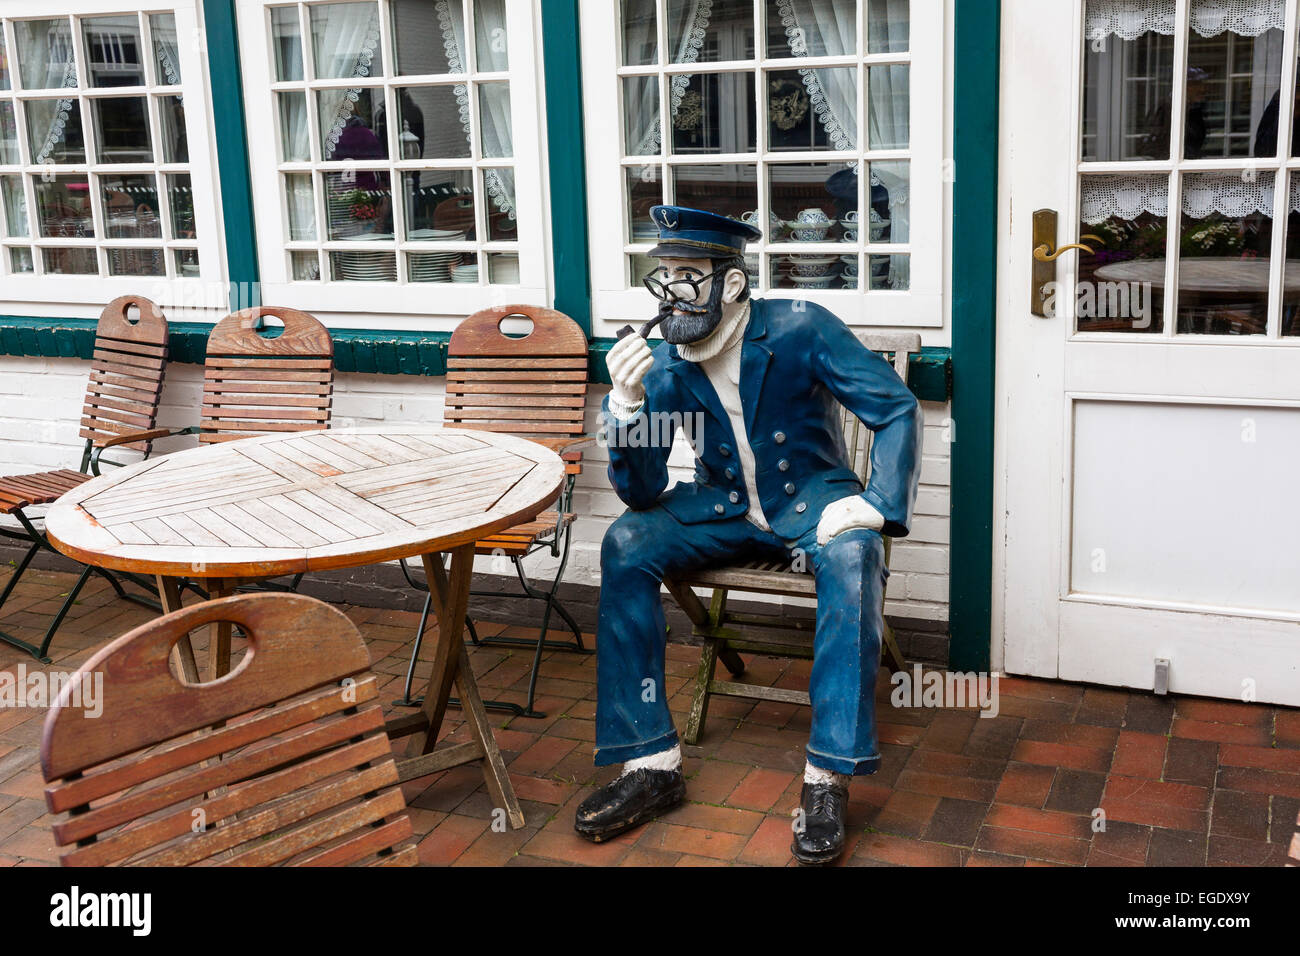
(345, 40)
(1129, 19)
(47, 61)
(688, 19)
(1203, 193)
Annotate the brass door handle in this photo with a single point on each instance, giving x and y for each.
(1043, 279)
(1043, 253)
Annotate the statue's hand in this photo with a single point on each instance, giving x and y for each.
(628, 361)
(846, 514)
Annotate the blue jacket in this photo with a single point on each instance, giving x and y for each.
(795, 364)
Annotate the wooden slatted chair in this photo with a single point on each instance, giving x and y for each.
(126, 377)
(533, 386)
(724, 632)
(283, 762)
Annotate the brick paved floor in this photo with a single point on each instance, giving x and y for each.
(1181, 781)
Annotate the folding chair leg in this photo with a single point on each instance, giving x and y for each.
(406, 700)
(733, 661)
(40, 653)
(891, 656)
(18, 572)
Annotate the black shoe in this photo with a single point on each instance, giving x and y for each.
(630, 800)
(821, 839)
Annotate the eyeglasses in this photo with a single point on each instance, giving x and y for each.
(679, 290)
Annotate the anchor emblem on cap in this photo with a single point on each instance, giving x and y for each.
(666, 221)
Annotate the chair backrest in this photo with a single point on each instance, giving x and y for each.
(126, 371)
(534, 386)
(290, 763)
(255, 384)
(897, 348)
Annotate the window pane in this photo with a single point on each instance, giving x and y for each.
(428, 38)
(1121, 287)
(180, 195)
(438, 119)
(345, 40)
(136, 262)
(358, 205)
(431, 266)
(644, 190)
(293, 127)
(54, 131)
(1291, 266)
(347, 119)
(175, 141)
(130, 206)
(286, 38)
(501, 211)
(503, 268)
(166, 55)
(1231, 81)
(45, 54)
(707, 33)
(823, 193)
(20, 260)
(187, 262)
(305, 266)
(890, 272)
(363, 266)
(466, 270)
(1127, 85)
(8, 133)
(63, 206)
(890, 214)
(803, 28)
(888, 23)
(729, 189)
(816, 110)
(640, 33)
(887, 107)
(1227, 230)
(490, 36)
(641, 115)
(15, 203)
(440, 205)
(114, 51)
(713, 113)
(494, 119)
(805, 272)
(71, 261)
(122, 129)
(4, 65)
(300, 201)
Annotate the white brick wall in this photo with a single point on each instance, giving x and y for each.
(40, 405)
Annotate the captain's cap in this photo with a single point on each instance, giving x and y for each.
(695, 234)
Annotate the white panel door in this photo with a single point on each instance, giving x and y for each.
(1148, 424)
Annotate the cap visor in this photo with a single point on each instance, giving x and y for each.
(676, 250)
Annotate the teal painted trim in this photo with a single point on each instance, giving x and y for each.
(355, 350)
(562, 63)
(974, 305)
(232, 153)
(929, 373)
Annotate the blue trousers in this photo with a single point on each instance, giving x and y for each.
(642, 547)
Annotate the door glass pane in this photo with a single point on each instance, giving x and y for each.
(1291, 268)
(1121, 284)
(706, 33)
(1127, 85)
(1224, 253)
(1234, 71)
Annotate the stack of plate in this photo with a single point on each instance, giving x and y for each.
(431, 266)
(365, 266)
(465, 273)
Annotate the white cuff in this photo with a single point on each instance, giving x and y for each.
(623, 411)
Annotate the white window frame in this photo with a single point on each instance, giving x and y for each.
(170, 290)
(921, 306)
(413, 300)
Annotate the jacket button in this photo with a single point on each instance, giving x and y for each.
(789, 488)
(783, 465)
(734, 497)
(801, 507)
(730, 473)
(779, 437)
(719, 509)
(724, 450)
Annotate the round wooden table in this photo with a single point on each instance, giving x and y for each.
(247, 510)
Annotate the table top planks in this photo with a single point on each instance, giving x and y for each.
(306, 501)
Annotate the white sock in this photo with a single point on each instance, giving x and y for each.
(664, 760)
(813, 774)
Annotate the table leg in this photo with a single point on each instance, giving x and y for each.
(169, 593)
(451, 666)
(219, 633)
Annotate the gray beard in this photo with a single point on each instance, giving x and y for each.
(679, 329)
